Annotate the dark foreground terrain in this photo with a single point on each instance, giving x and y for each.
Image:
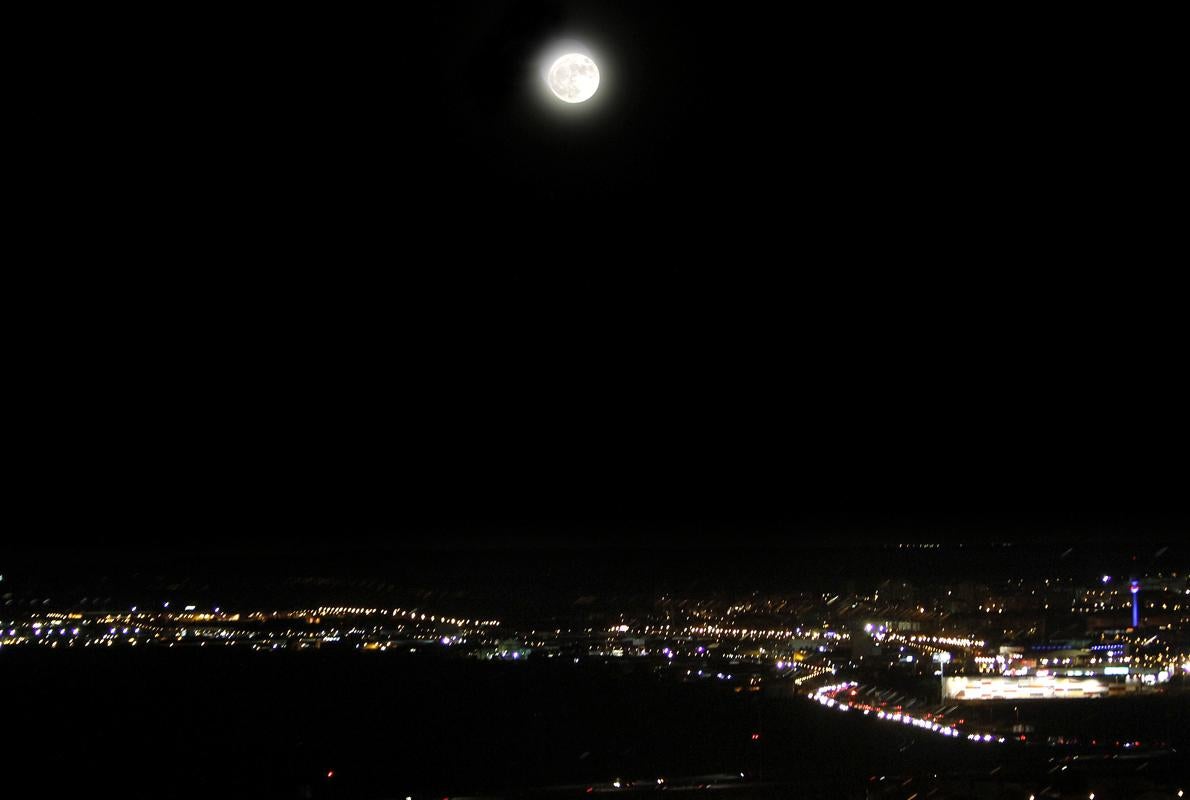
(226, 723)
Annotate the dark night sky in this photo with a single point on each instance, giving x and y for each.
(814, 150)
(302, 269)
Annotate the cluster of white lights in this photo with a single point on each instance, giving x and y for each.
(715, 630)
(825, 696)
(967, 642)
(338, 611)
(812, 673)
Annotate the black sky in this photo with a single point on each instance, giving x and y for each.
(765, 141)
(298, 269)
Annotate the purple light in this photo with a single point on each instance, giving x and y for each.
(701, 649)
(1135, 604)
(1107, 578)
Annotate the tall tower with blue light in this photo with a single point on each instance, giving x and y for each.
(1135, 589)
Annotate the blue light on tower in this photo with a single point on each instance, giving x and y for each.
(1135, 588)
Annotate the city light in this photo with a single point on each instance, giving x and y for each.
(986, 642)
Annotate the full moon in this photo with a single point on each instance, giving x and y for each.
(573, 78)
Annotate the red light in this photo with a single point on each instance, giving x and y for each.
(755, 736)
(590, 789)
(330, 773)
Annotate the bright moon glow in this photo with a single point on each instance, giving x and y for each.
(573, 78)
